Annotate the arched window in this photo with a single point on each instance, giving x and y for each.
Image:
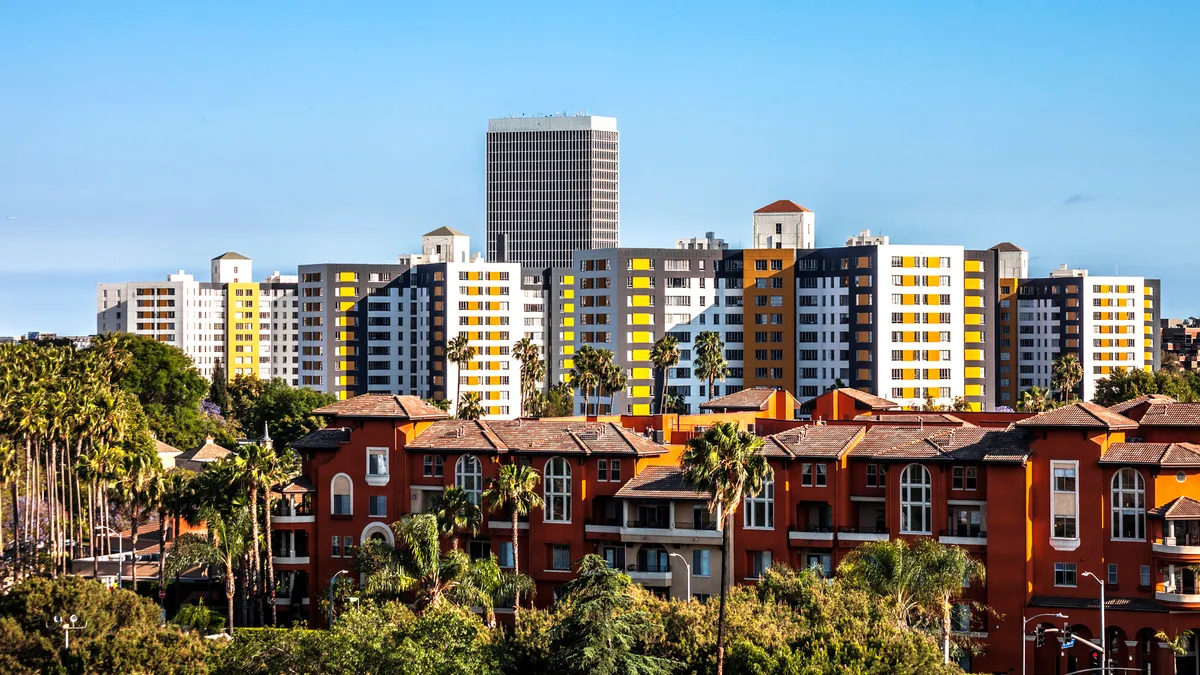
(558, 491)
(1128, 505)
(468, 476)
(343, 495)
(760, 508)
(916, 500)
(377, 532)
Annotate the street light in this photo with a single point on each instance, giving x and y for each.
(689, 573)
(1103, 631)
(1025, 631)
(120, 551)
(332, 581)
(68, 624)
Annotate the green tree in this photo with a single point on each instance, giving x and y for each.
(1124, 384)
(665, 356)
(515, 489)
(710, 359)
(460, 352)
(253, 465)
(612, 379)
(585, 375)
(727, 464)
(533, 370)
(470, 407)
(243, 390)
(442, 404)
(218, 391)
(284, 411)
(1035, 400)
(278, 468)
(227, 541)
(457, 512)
(1066, 374)
(1178, 645)
(139, 472)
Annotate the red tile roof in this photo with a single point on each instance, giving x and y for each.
(915, 418)
(783, 206)
(660, 482)
(1172, 415)
(871, 400)
(754, 398)
(813, 441)
(1124, 406)
(323, 439)
(534, 436)
(1084, 415)
(384, 406)
(962, 444)
(1180, 508)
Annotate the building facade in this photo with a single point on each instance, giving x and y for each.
(552, 188)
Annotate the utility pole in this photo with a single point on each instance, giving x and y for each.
(67, 626)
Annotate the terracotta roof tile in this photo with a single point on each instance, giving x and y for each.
(754, 398)
(875, 402)
(783, 206)
(1124, 406)
(915, 418)
(1173, 414)
(660, 482)
(1156, 454)
(813, 441)
(297, 485)
(534, 436)
(323, 439)
(209, 452)
(384, 406)
(1180, 508)
(1082, 415)
(968, 444)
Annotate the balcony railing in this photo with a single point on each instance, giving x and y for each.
(648, 524)
(965, 532)
(844, 529)
(823, 529)
(639, 568)
(609, 522)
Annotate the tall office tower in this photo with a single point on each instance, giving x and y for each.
(552, 189)
(785, 224)
(251, 327)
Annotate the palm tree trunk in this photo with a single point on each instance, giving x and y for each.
(78, 505)
(726, 576)
(457, 376)
(662, 395)
(516, 568)
(710, 385)
(946, 629)
(162, 549)
(92, 530)
(270, 554)
(134, 527)
(16, 542)
(252, 576)
(228, 560)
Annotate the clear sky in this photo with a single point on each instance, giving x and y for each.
(139, 139)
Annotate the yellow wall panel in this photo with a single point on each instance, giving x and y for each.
(974, 373)
(640, 263)
(641, 282)
(641, 408)
(973, 355)
(641, 391)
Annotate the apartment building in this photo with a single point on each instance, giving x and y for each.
(1040, 500)
(785, 224)
(1178, 337)
(230, 318)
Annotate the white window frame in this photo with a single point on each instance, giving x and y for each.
(378, 479)
(1138, 492)
(925, 504)
(333, 495)
(556, 491)
(766, 496)
(1064, 543)
(461, 474)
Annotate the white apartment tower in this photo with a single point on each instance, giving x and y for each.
(785, 224)
(552, 188)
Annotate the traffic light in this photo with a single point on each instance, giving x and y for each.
(1095, 655)
(1067, 635)
(1039, 636)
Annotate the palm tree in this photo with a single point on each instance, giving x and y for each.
(455, 513)
(251, 463)
(1067, 373)
(515, 488)
(8, 475)
(1178, 645)
(533, 369)
(944, 569)
(137, 475)
(1035, 400)
(503, 586)
(710, 359)
(613, 379)
(228, 540)
(585, 375)
(277, 470)
(470, 407)
(460, 352)
(728, 464)
(665, 356)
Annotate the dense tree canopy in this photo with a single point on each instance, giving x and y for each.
(1125, 384)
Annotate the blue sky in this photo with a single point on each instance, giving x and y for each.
(139, 139)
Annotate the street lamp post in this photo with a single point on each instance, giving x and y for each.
(68, 624)
(332, 582)
(1025, 632)
(689, 573)
(120, 551)
(1103, 630)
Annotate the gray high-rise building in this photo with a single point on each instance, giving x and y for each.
(552, 188)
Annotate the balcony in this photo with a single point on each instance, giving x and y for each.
(289, 547)
(649, 575)
(963, 536)
(657, 530)
(859, 534)
(293, 509)
(1181, 538)
(811, 534)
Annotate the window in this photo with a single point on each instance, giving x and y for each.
(822, 563)
(700, 560)
(874, 475)
(1064, 574)
(760, 508)
(760, 562)
(812, 475)
(504, 556)
(468, 476)
(434, 466)
(1112, 574)
(378, 506)
(972, 479)
(614, 470)
(377, 466)
(916, 500)
(558, 491)
(480, 549)
(348, 547)
(602, 470)
(960, 618)
(1144, 579)
(343, 491)
(964, 478)
(337, 546)
(560, 557)
(1064, 500)
(1128, 505)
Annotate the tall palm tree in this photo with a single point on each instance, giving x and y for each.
(728, 464)
(176, 499)
(8, 475)
(585, 374)
(138, 473)
(455, 513)
(470, 407)
(252, 463)
(613, 379)
(279, 469)
(515, 488)
(227, 541)
(526, 352)
(1067, 373)
(665, 356)
(710, 359)
(944, 569)
(460, 352)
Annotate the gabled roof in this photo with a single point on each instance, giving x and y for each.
(813, 441)
(1083, 415)
(445, 232)
(660, 482)
(534, 436)
(960, 444)
(1125, 406)
(323, 439)
(1006, 247)
(783, 206)
(384, 406)
(754, 398)
(297, 485)
(1180, 508)
(862, 400)
(208, 452)
(1172, 414)
(164, 449)
(230, 255)
(1167, 455)
(911, 419)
